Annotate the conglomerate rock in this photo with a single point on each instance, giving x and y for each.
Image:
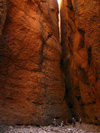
(81, 57)
(32, 88)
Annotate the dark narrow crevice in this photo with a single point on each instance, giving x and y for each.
(89, 55)
(42, 58)
(81, 40)
(70, 105)
(78, 98)
(61, 64)
(69, 4)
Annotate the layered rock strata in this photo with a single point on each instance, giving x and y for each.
(32, 88)
(81, 57)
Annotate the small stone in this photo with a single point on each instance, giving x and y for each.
(10, 127)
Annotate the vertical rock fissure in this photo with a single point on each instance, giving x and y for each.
(59, 18)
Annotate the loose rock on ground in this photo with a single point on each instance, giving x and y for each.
(84, 128)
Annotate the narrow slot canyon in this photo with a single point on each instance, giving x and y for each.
(49, 61)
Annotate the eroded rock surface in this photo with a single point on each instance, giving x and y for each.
(32, 88)
(81, 57)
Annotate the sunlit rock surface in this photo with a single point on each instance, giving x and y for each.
(32, 84)
(81, 57)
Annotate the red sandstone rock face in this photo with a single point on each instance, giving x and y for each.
(32, 86)
(3, 12)
(81, 57)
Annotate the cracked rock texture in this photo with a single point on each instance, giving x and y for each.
(81, 57)
(32, 87)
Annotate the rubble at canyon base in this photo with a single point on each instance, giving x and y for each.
(84, 128)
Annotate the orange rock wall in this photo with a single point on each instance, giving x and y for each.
(32, 88)
(81, 57)
(3, 13)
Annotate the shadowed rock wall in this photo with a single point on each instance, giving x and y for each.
(3, 12)
(32, 88)
(81, 57)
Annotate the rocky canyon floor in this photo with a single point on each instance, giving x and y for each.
(84, 128)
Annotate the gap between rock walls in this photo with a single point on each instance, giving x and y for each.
(59, 18)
